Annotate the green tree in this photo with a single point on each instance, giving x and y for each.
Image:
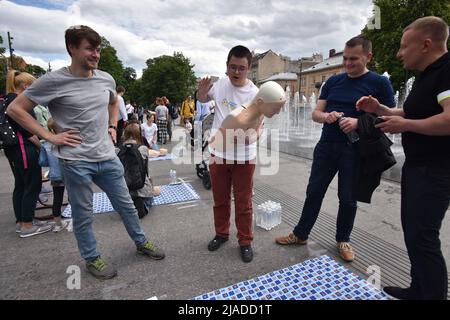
(110, 63)
(36, 71)
(3, 68)
(395, 16)
(2, 50)
(170, 76)
(129, 77)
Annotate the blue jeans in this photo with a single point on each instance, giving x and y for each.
(330, 158)
(108, 175)
(53, 163)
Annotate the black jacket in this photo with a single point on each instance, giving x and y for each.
(375, 156)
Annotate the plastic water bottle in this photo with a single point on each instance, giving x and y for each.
(352, 136)
(268, 215)
(173, 176)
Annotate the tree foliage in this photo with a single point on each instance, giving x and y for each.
(395, 16)
(2, 49)
(2, 68)
(170, 76)
(109, 62)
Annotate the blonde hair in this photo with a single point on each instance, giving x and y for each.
(16, 79)
(431, 26)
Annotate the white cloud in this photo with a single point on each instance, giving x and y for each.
(204, 30)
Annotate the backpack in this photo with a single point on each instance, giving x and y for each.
(8, 138)
(135, 167)
(173, 112)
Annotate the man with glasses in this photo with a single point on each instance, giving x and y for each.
(83, 101)
(228, 169)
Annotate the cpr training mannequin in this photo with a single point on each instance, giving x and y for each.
(244, 125)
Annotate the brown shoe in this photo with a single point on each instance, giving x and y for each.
(346, 251)
(290, 239)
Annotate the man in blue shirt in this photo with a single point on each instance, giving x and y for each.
(335, 152)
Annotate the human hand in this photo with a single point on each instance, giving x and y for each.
(203, 88)
(69, 138)
(368, 104)
(392, 124)
(113, 134)
(332, 117)
(348, 124)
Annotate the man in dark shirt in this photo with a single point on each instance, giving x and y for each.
(424, 123)
(335, 152)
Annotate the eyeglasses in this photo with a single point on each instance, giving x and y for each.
(235, 68)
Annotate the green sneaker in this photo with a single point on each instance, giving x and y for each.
(151, 251)
(99, 269)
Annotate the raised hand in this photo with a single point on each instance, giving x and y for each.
(368, 104)
(203, 88)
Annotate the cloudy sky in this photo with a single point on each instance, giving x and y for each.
(204, 30)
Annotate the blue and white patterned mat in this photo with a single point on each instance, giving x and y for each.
(316, 279)
(171, 193)
(168, 156)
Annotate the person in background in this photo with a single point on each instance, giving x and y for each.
(162, 115)
(24, 161)
(123, 116)
(142, 198)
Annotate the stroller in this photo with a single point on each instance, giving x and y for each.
(202, 167)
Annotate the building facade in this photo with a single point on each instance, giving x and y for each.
(311, 79)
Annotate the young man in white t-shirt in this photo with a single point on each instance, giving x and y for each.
(229, 169)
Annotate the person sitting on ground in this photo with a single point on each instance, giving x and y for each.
(149, 134)
(142, 198)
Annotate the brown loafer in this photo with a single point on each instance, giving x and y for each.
(290, 239)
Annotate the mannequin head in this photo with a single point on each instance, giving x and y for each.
(270, 99)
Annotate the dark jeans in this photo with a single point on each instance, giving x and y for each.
(119, 132)
(425, 199)
(27, 182)
(330, 158)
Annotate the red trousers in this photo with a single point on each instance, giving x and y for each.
(238, 175)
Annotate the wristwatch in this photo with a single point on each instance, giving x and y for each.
(112, 126)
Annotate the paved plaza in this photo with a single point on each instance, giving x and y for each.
(35, 268)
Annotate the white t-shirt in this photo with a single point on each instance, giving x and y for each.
(149, 131)
(129, 108)
(227, 98)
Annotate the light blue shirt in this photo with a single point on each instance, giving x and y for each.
(202, 111)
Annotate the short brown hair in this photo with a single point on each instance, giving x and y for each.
(360, 41)
(75, 34)
(120, 89)
(240, 52)
(431, 26)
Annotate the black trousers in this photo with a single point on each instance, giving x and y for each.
(119, 132)
(425, 199)
(27, 182)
